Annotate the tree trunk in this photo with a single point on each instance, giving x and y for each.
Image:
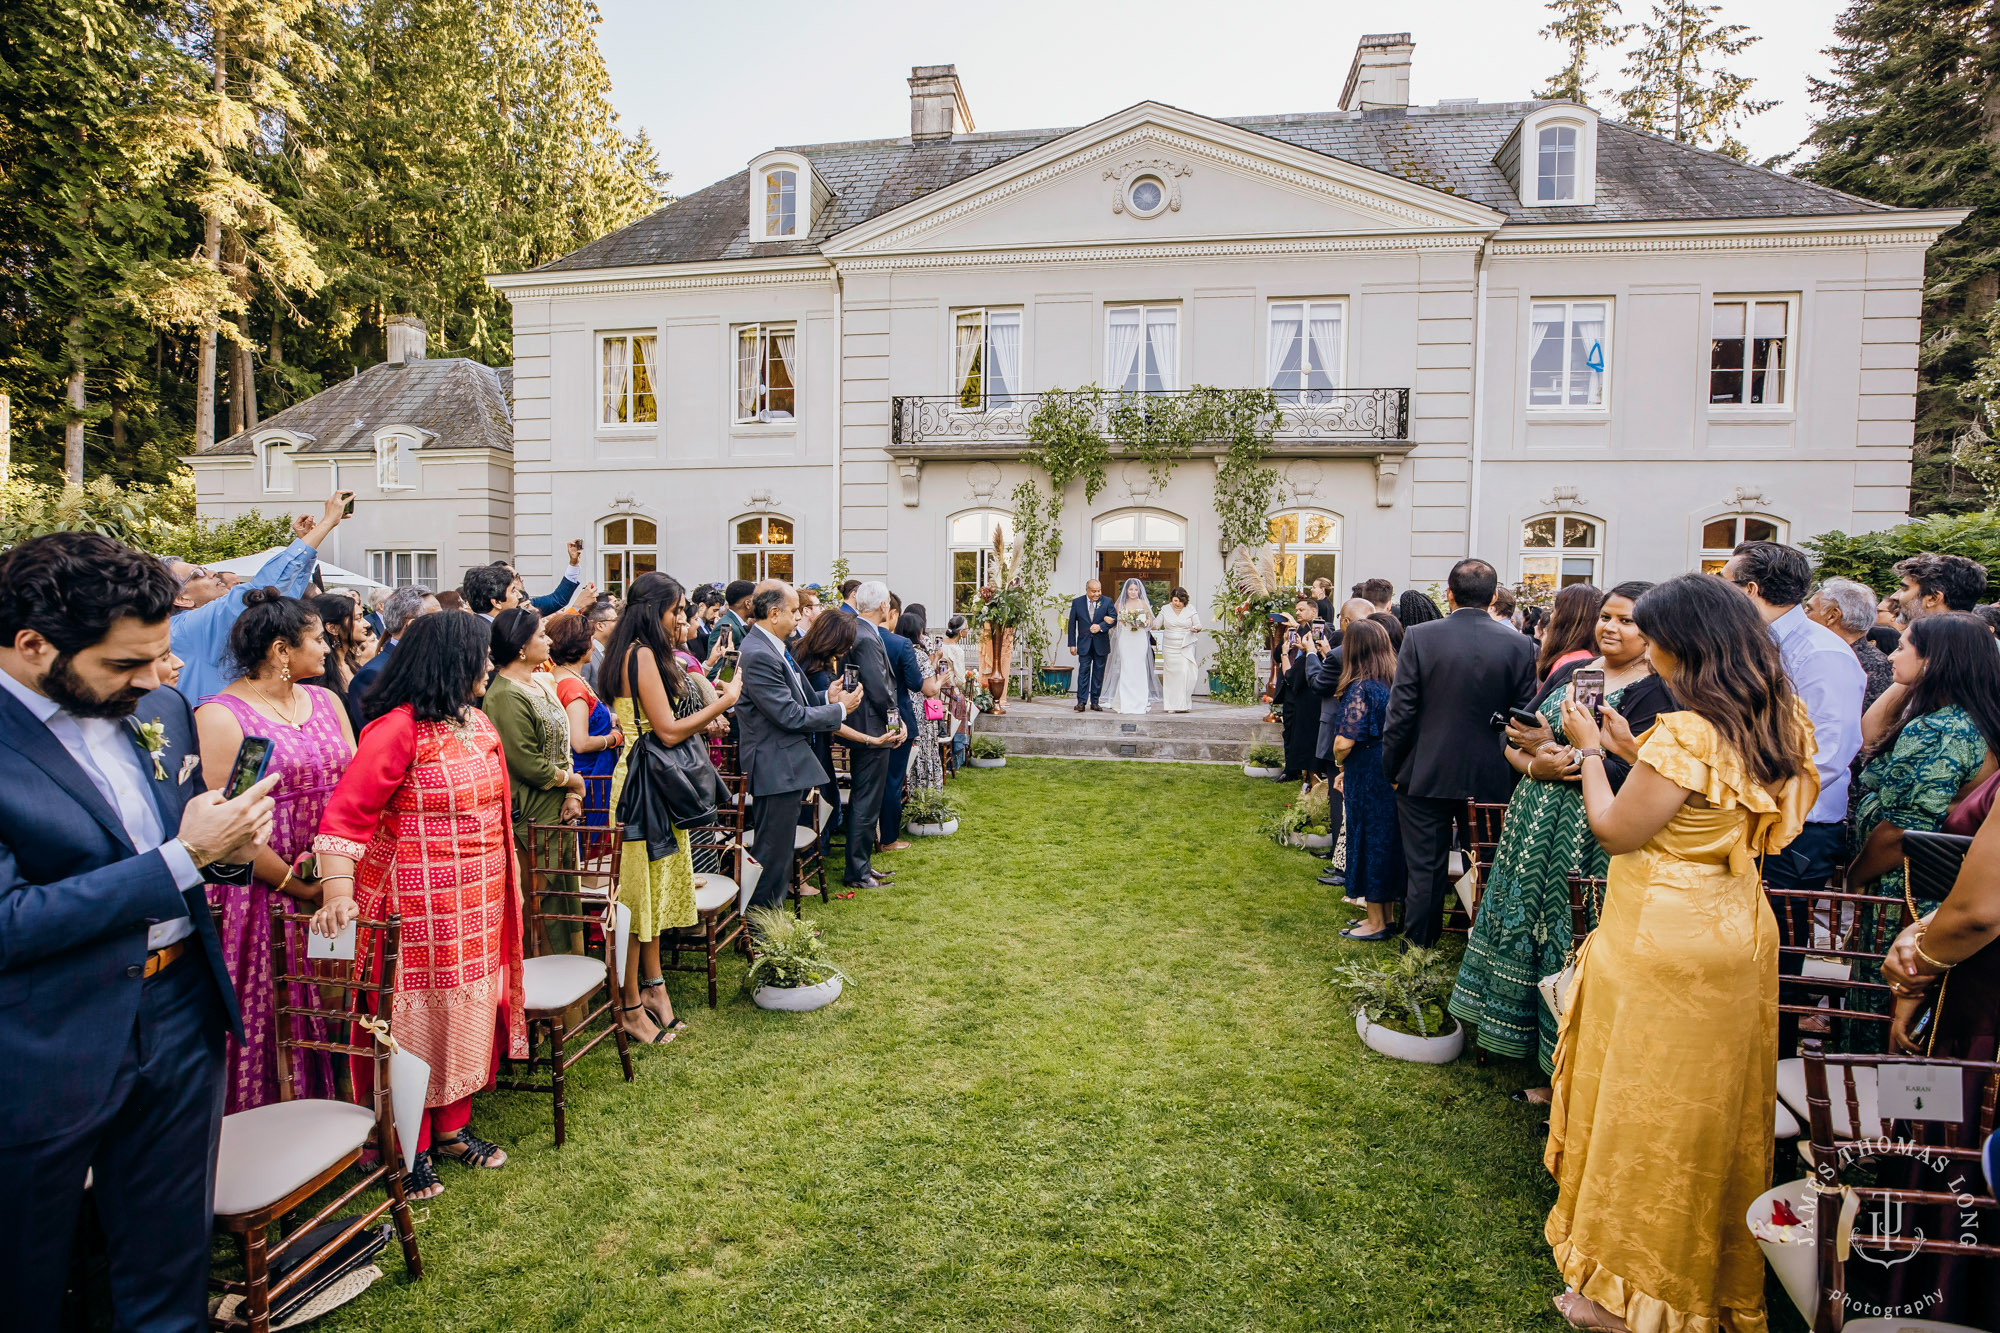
(73, 419)
(204, 382)
(246, 360)
(118, 428)
(235, 356)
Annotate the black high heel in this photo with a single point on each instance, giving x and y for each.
(660, 1038)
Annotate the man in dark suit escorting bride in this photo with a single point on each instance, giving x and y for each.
(1091, 620)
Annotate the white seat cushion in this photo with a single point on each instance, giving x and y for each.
(269, 1151)
(1788, 1124)
(1792, 1092)
(712, 892)
(557, 981)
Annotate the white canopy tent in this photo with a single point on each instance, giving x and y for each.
(330, 574)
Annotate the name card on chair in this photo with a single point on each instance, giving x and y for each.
(340, 946)
(1920, 1092)
(1826, 969)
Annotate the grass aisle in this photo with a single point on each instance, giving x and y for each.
(1090, 1075)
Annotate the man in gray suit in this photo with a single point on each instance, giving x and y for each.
(774, 715)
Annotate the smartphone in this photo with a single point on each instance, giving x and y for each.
(252, 758)
(348, 512)
(1524, 717)
(728, 671)
(850, 676)
(1588, 687)
(1292, 637)
(724, 637)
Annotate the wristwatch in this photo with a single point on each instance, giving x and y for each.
(1588, 751)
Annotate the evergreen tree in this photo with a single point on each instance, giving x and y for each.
(1911, 117)
(1677, 90)
(1583, 27)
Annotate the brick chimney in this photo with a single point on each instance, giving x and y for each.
(406, 336)
(937, 104)
(1380, 74)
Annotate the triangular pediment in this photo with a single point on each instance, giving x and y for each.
(1210, 181)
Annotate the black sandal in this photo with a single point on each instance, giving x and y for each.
(478, 1152)
(422, 1176)
(660, 1038)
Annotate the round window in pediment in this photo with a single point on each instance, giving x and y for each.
(1146, 196)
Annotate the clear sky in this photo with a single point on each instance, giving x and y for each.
(717, 83)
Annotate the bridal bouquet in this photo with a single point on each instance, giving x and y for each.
(1133, 619)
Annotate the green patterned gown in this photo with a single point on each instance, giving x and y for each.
(1523, 930)
(1913, 785)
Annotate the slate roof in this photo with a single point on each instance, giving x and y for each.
(463, 403)
(1641, 177)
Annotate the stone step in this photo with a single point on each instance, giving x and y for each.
(1116, 727)
(1159, 749)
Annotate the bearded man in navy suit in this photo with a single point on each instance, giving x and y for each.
(114, 1000)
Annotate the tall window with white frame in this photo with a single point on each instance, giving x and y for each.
(631, 378)
(396, 463)
(766, 372)
(1560, 549)
(1750, 352)
(1308, 547)
(1721, 536)
(781, 203)
(971, 545)
(987, 358)
(1568, 355)
(627, 548)
(1142, 348)
(1555, 164)
(764, 547)
(1304, 352)
(399, 569)
(280, 474)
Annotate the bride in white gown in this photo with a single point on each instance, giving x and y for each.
(1131, 684)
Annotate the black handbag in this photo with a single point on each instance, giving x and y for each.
(1931, 863)
(667, 787)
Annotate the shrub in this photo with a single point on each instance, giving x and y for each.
(1311, 812)
(159, 519)
(1266, 755)
(1405, 991)
(1870, 557)
(988, 747)
(790, 951)
(927, 805)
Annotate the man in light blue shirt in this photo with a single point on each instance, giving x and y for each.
(1830, 682)
(207, 610)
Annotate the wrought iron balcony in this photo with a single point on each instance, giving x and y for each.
(1314, 421)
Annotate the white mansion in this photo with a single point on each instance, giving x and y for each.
(1581, 351)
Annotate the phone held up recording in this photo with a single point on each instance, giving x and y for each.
(252, 758)
(1587, 686)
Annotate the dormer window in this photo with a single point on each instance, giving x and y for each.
(1555, 164)
(396, 461)
(786, 197)
(781, 203)
(279, 472)
(1551, 157)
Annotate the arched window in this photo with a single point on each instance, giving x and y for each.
(781, 203)
(629, 547)
(763, 547)
(1721, 536)
(1142, 529)
(1308, 542)
(396, 461)
(971, 543)
(1558, 550)
(280, 473)
(1552, 157)
(1141, 544)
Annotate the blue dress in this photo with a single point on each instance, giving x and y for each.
(1374, 841)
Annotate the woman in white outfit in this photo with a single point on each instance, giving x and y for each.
(1177, 625)
(1130, 682)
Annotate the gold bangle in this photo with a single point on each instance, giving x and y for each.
(1918, 945)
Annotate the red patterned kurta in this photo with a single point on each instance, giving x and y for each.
(424, 810)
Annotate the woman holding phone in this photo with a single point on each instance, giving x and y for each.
(274, 642)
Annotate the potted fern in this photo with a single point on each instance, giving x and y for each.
(1399, 1001)
(1265, 760)
(927, 813)
(1307, 821)
(988, 752)
(791, 969)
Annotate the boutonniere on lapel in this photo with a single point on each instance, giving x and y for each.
(153, 735)
(188, 766)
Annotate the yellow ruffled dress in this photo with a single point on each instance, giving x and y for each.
(659, 893)
(1666, 1061)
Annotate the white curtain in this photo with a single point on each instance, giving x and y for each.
(1586, 386)
(1325, 332)
(1121, 353)
(1003, 356)
(1285, 328)
(746, 374)
(645, 390)
(1163, 332)
(616, 356)
(970, 339)
(783, 381)
(1545, 327)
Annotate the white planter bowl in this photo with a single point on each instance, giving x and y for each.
(977, 762)
(1310, 840)
(1251, 771)
(1441, 1050)
(932, 830)
(797, 999)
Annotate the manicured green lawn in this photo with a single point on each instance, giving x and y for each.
(1089, 1075)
